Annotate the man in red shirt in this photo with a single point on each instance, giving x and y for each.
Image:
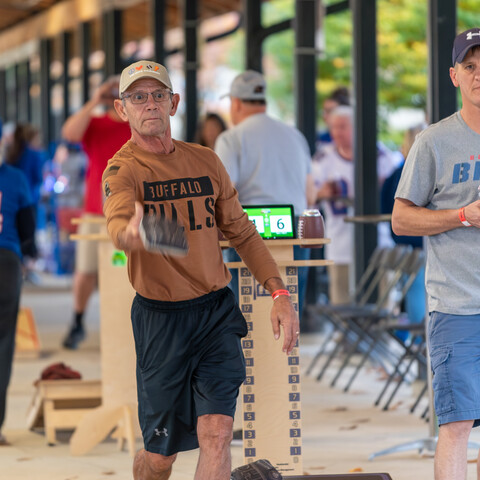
(101, 135)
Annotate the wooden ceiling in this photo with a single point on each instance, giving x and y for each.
(14, 12)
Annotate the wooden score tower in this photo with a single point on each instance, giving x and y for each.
(271, 394)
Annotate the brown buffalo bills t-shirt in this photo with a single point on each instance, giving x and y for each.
(192, 187)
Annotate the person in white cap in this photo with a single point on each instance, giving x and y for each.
(268, 161)
(186, 323)
(437, 197)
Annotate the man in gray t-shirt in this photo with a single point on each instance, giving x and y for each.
(438, 197)
(268, 161)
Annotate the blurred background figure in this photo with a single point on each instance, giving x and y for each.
(209, 129)
(23, 153)
(17, 238)
(102, 133)
(415, 297)
(268, 161)
(333, 172)
(340, 96)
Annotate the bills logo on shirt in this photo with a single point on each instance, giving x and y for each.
(465, 171)
(167, 198)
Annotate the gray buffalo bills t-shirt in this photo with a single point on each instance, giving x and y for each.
(442, 171)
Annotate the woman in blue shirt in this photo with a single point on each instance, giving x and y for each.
(30, 161)
(17, 229)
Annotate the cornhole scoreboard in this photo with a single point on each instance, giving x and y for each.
(271, 394)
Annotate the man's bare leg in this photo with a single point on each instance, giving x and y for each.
(478, 466)
(152, 466)
(214, 436)
(84, 284)
(451, 453)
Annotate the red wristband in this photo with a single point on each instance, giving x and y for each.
(461, 215)
(278, 293)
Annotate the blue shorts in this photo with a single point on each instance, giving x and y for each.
(454, 344)
(189, 363)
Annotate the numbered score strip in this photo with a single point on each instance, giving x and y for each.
(271, 392)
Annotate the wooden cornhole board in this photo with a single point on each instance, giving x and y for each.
(60, 404)
(27, 342)
(118, 387)
(271, 396)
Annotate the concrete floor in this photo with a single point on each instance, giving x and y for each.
(340, 430)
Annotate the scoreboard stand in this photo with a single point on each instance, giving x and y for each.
(271, 394)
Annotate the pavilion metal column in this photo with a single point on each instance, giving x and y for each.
(190, 22)
(3, 94)
(66, 39)
(442, 96)
(158, 29)
(252, 17)
(305, 69)
(84, 40)
(112, 42)
(18, 93)
(365, 152)
(22, 86)
(45, 85)
(28, 81)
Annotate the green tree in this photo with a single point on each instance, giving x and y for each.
(402, 55)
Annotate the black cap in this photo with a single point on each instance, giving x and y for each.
(463, 43)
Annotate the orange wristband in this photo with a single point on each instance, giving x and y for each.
(461, 215)
(278, 293)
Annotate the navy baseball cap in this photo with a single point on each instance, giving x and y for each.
(463, 43)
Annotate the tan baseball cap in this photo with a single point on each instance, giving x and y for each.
(144, 69)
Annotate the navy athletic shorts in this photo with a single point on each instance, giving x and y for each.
(189, 363)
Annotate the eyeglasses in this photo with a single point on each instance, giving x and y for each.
(158, 96)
